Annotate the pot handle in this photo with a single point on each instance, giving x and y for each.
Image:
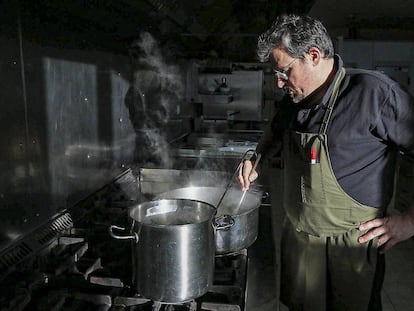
(223, 222)
(133, 236)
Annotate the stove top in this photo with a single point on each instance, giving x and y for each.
(72, 263)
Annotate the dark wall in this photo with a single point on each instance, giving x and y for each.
(64, 129)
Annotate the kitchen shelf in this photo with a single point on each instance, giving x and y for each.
(215, 98)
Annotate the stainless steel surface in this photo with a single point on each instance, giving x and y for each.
(231, 145)
(243, 233)
(206, 153)
(153, 181)
(173, 250)
(61, 133)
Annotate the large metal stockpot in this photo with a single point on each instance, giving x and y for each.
(173, 250)
(241, 207)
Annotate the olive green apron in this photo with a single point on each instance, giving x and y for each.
(324, 268)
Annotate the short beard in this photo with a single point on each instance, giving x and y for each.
(297, 99)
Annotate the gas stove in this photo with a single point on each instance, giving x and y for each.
(72, 263)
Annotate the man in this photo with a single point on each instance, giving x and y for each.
(340, 139)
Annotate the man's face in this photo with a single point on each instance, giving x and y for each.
(294, 75)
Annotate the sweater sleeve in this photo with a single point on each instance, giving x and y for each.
(396, 124)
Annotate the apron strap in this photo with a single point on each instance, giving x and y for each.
(331, 103)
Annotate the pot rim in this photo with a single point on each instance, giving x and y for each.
(141, 223)
(254, 193)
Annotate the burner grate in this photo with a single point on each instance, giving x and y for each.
(48, 233)
(33, 243)
(13, 256)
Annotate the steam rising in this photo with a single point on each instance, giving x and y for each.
(168, 75)
(159, 87)
(156, 75)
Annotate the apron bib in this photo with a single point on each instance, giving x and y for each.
(321, 257)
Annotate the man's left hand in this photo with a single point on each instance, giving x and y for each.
(390, 230)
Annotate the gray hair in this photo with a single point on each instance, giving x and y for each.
(296, 35)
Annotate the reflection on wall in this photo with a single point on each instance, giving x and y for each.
(122, 131)
(71, 105)
(65, 130)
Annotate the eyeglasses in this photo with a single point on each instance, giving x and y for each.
(284, 74)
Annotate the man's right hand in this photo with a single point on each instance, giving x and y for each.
(247, 174)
